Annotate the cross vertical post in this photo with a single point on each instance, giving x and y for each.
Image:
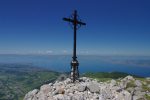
(74, 63)
(75, 35)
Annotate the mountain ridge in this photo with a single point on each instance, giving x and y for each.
(128, 88)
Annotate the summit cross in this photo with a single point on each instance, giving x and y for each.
(74, 63)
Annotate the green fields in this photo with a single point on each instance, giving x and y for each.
(104, 76)
(16, 80)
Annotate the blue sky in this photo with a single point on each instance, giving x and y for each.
(114, 27)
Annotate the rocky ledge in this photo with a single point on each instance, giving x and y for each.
(85, 88)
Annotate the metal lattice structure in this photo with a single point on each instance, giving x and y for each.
(75, 23)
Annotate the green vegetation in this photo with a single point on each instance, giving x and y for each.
(145, 88)
(105, 76)
(16, 80)
(147, 97)
(130, 84)
(114, 75)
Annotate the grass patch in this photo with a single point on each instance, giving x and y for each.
(105, 76)
(147, 97)
(113, 75)
(145, 88)
(130, 84)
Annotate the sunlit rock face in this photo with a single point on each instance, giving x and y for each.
(90, 89)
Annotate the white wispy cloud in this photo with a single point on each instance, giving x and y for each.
(49, 51)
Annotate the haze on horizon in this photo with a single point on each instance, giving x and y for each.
(114, 27)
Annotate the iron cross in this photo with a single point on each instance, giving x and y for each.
(74, 64)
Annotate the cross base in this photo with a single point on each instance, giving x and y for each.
(74, 70)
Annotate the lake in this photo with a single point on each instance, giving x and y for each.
(137, 65)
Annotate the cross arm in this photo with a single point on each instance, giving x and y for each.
(68, 19)
(81, 23)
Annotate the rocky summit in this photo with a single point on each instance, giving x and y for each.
(127, 88)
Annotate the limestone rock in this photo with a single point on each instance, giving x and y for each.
(130, 77)
(59, 90)
(45, 88)
(138, 83)
(124, 95)
(89, 89)
(30, 95)
(81, 87)
(113, 82)
(93, 87)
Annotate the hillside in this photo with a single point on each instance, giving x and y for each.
(17, 79)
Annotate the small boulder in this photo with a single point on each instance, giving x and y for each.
(113, 83)
(77, 97)
(81, 87)
(58, 97)
(128, 78)
(59, 90)
(45, 88)
(138, 83)
(67, 81)
(93, 87)
(31, 94)
(124, 95)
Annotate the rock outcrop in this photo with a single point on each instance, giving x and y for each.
(85, 88)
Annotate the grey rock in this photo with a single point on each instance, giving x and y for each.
(129, 78)
(138, 89)
(30, 95)
(45, 88)
(71, 90)
(61, 97)
(113, 82)
(93, 87)
(59, 90)
(138, 98)
(81, 87)
(107, 93)
(130, 89)
(67, 81)
(58, 97)
(41, 95)
(88, 89)
(85, 79)
(123, 84)
(124, 95)
(104, 94)
(138, 83)
(101, 97)
(139, 93)
(77, 97)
